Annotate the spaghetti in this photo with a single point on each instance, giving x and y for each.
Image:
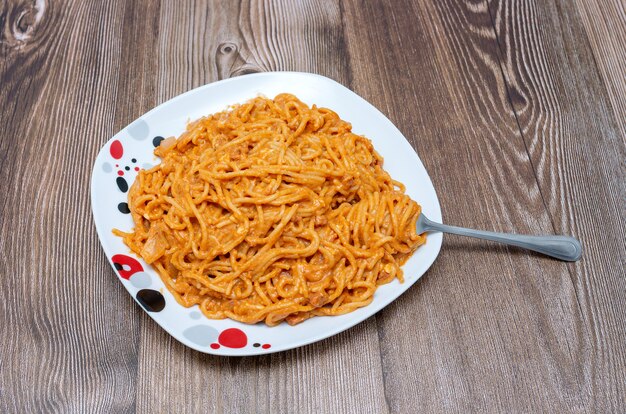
(271, 211)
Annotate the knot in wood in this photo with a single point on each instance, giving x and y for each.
(19, 22)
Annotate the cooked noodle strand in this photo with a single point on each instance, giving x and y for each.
(272, 211)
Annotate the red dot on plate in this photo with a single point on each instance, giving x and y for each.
(116, 149)
(136, 168)
(120, 172)
(117, 165)
(126, 266)
(215, 346)
(266, 346)
(233, 338)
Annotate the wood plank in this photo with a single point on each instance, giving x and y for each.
(578, 156)
(70, 332)
(489, 328)
(335, 375)
(605, 25)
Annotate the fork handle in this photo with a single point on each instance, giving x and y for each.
(560, 247)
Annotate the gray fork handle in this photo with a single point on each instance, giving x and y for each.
(560, 247)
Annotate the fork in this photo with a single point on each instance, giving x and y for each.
(560, 247)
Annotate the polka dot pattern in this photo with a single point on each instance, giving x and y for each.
(202, 335)
(151, 300)
(123, 208)
(139, 130)
(126, 266)
(140, 280)
(122, 184)
(156, 141)
(233, 338)
(116, 149)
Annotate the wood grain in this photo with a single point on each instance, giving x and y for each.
(516, 109)
(570, 140)
(605, 25)
(70, 336)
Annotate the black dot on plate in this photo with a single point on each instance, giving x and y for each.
(256, 345)
(127, 168)
(123, 208)
(151, 300)
(134, 160)
(121, 184)
(157, 141)
(118, 266)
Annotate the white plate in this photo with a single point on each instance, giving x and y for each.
(131, 149)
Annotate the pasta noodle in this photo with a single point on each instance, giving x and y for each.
(272, 211)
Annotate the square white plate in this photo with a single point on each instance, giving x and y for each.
(132, 148)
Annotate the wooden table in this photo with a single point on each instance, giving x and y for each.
(518, 110)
